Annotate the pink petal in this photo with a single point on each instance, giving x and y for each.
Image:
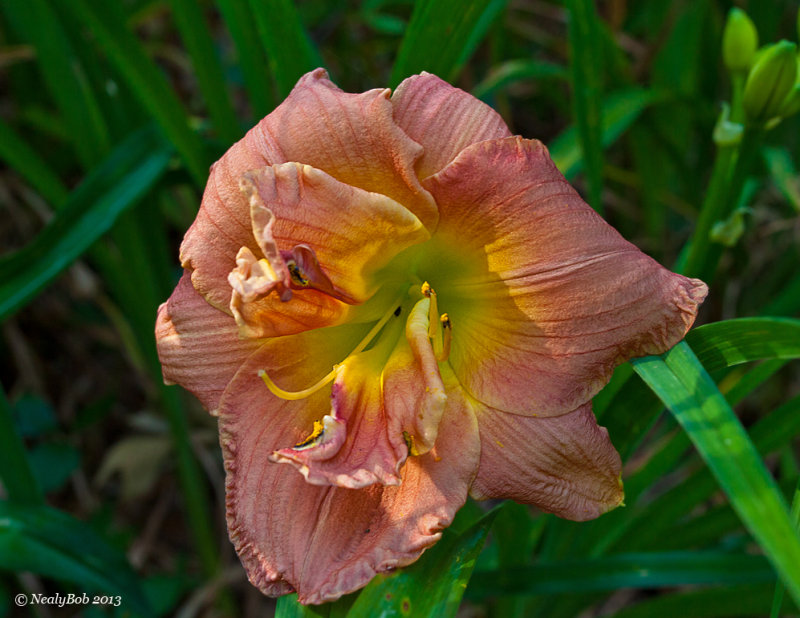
(327, 541)
(564, 465)
(351, 245)
(545, 297)
(444, 119)
(199, 346)
(352, 137)
(353, 449)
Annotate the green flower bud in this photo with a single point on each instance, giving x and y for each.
(769, 81)
(791, 104)
(739, 41)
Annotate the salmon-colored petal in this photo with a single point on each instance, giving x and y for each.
(352, 137)
(199, 345)
(545, 297)
(330, 242)
(564, 465)
(350, 446)
(327, 541)
(444, 119)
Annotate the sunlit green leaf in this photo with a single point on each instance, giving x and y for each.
(682, 383)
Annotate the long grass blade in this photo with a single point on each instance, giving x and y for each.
(145, 79)
(207, 69)
(454, 28)
(681, 382)
(289, 50)
(129, 172)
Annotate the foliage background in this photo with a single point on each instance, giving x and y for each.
(110, 114)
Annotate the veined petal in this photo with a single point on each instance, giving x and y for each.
(328, 541)
(352, 137)
(554, 298)
(199, 345)
(444, 119)
(337, 237)
(564, 465)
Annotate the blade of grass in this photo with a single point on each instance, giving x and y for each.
(641, 570)
(128, 173)
(50, 542)
(290, 52)
(453, 28)
(682, 383)
(63, 76)
(586, 69)
(145, 79)
(22, 158)
(514, 71)
(195, 34)
(621, 109)
(250, 55)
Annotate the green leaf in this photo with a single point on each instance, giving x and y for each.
(514, 71)
(781, 168)
(18, 155)
(586, 69)
(207, 69)
(434, 585)
(681, 382)
(644, 570)
(290, 52)
(51, 543)
(148, 83)
(621, 109)
(63, 75)
(250, 56)
(128, 173)
(728, 343)
(453, 28)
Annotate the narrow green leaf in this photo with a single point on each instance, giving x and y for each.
(731, 342)
(621, 109)
(290, 52)
(434, 585)
(681, 382)
(514, 71)
(718, 602)
(207, 69)
(777, 600)
(63, 75)
(145, 79)
(128, 173)
(15, 469)
(586, 68)
(51, 543)
(21, 157)
(644, 570)
(250, 56)
(781, 168)
(453, 28)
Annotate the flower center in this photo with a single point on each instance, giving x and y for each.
(439, 332)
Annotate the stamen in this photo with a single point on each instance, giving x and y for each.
(447, 330)
(307, 392)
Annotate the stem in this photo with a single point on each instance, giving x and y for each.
(730, 171)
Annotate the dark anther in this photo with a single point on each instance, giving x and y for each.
(397, 311)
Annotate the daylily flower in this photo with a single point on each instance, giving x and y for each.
(391, 303)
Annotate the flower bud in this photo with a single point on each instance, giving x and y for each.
(739, 41)
(770, 81)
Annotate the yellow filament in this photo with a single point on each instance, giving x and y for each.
(307, 392)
